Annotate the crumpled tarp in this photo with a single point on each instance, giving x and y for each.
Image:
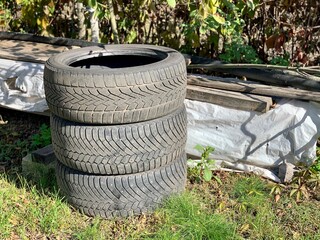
(21, 86)
(254, 141)
(244, 140)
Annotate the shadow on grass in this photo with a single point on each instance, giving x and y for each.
(33, 175)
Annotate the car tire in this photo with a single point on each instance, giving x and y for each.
(115, 84)
(121, 195)
(120, 149)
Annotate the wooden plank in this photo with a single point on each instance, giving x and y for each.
(28, 51)
(269, 74)
(233, 84)
(241, 101)
(49, 40)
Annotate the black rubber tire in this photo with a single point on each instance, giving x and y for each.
(115, 84)
(121, 195)
(120, 149)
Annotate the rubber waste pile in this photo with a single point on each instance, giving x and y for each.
(119, 126)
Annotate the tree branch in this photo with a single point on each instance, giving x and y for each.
(113, 22)
(218, 64)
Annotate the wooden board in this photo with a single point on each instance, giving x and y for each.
(233, 84)
(235, 100)
(28, 51)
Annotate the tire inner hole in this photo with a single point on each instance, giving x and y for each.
(115, 61)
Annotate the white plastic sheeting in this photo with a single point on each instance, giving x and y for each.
(243, 140)
(253, 141)
(26, 92)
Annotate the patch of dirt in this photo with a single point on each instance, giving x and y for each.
(16, 133)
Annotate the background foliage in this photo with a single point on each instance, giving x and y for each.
(285, 32)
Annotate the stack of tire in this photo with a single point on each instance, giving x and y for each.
(118, 126)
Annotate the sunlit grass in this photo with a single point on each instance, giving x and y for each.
(26, 212)
(31, 208)
(187, 218)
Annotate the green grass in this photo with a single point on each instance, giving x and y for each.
(26, 212)
(239, 208)
(186, 217)
(299, 220)
(253, 209)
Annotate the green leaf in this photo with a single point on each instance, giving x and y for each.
(209, 149)
(202, 30)
(251, 4)
(219, 19)
(172, 3)
(211, 161)
(131, 37)
(193, 14)
(207, 174)
(293, 192)
(199, 148)
(217, 179)
(298, 196)
(15, 134)
(93, 4)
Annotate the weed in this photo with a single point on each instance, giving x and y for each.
(16, 144)
(26, 211)
(305, 183)
(250, 192)
(298, 220)
(238, 52)
(281, 60)
(13, 150)
(202, 171)
(277, 189)
(41, 139)
(316, 165)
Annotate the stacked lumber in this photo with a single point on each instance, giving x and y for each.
(266, 84)
(244, 95)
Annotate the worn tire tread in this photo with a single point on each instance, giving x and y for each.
(121, 195)
(120, 149)
(115, 97)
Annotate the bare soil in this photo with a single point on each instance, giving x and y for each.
(16, 131)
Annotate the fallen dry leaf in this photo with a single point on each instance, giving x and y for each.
(2, 122)
(244, 228)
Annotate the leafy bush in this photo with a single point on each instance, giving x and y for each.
(197, 27)
(281, 60)
(238, 52)
(191, 26)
